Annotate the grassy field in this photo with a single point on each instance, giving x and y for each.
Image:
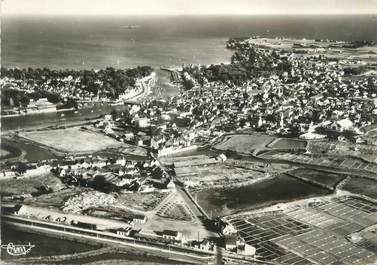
(141, 201)
(29, 185)
(72, 140)
(363, 186)
(244, 143)
(284, 143)
(55, 199)
(4, 153)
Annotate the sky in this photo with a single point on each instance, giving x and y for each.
(179, 7)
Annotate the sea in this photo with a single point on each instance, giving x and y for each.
(94, 42)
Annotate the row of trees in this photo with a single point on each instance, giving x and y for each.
(11, 97)
(112, 82)
(14, 98)
(46, 73)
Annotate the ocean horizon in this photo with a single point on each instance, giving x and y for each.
(94, 42)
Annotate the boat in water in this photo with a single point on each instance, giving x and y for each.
(131, 26)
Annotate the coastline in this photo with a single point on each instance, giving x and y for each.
(145, 85)
(37, 112)
(12, 135)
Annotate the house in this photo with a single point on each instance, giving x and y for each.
(222, 158)
(171, 185)
(244, 248)
(43, 103)
(139, 219)
(108, 117)
(206, 245)
(143, 123)
(140, 142)
(8, 174)
(312, 136)
(229, 229)
(345, 124)
(123, 232)
(171, 235)
(129, 136)
(231, 242)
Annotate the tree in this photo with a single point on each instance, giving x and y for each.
(188, 84)
(114, 114)
(24, 100)
(21, 168)
(53, 98)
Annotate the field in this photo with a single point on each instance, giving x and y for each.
(364, 151)
(243, 143)
(283, 143)
(216, 175)
(30, 185)
(348, 163)
(141, 201)
(4, 153)
(55, 199)
(362, 186)
(72, 140)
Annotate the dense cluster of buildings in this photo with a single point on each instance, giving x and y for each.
(107, 175)
(313, 93)
(311, 96)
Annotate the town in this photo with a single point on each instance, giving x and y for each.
(170, 174)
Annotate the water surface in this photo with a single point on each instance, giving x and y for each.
(44, 246)
(99, 41)
(264, 193)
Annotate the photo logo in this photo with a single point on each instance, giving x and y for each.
(17, 250)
